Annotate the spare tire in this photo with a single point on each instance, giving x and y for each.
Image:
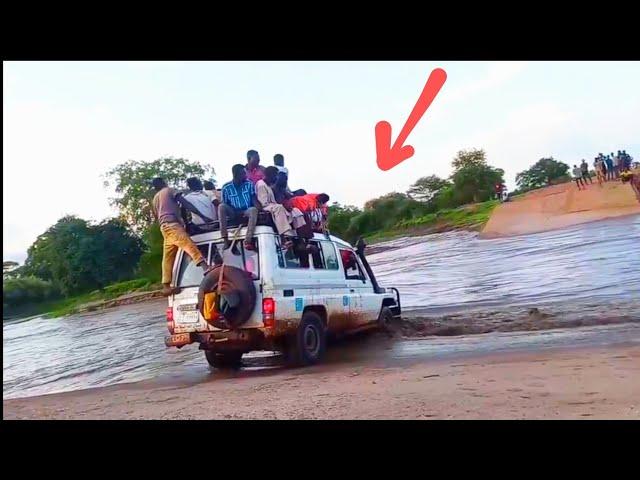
(238, 296)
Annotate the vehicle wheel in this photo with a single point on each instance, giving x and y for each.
(385, 318)
(308, 345)
(224, 360)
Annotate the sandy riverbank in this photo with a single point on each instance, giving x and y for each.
(561, 206)
(573, 384)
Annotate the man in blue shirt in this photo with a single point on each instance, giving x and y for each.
(238, 200)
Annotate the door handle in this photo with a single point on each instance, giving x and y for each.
(352, 290)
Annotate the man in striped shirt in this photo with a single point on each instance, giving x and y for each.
(238, 200)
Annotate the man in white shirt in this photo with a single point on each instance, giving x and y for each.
(211, 192)
(201, 201)
(286, 222)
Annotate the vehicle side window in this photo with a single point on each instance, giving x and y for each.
(189, 274)
(351, 267)
(288, 258)
(329, 256)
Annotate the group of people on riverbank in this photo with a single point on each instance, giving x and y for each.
(606, 168)
(253, 188)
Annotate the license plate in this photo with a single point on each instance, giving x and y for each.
(187, 317)
(188, 307)
(177, 340)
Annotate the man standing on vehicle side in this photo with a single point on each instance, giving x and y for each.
(166, 207)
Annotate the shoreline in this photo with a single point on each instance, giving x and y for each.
(568, 383)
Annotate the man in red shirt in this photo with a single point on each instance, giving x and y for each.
(313, 206)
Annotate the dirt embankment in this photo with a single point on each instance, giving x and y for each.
(561, 206)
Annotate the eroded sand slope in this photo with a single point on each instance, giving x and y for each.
(561, 206)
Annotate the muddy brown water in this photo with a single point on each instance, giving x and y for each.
(451, 280)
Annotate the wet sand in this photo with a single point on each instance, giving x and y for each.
(561, 206)
(582, 383)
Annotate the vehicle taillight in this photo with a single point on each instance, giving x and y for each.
(170, 324)
(269, 312)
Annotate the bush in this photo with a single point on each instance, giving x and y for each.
(150, 265)
(24, 290)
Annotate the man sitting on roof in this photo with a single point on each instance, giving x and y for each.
(211, 192)
(205, 209)
(238, 200)
(255, 171)
(283, 219)
(313, 206)
(281, 188)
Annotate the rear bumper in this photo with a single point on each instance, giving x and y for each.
(224, 340)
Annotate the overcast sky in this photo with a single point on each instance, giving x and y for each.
(66, 123)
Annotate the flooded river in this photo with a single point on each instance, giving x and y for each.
(444, 273)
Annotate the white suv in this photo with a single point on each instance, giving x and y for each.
(300, 299)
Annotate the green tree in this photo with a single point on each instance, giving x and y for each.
(541, 174)
(151, 260)
(77, 256)
(340, 217)
(132, 185)
(427, 188)
(473, 179)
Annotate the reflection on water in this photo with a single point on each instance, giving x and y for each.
(450, 271)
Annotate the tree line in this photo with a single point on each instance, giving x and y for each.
(76, 256)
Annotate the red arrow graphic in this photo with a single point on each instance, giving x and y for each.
(390, 156)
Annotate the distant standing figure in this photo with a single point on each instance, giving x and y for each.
(577, 176)
(617, 165)
(585, 172)
(600, 171)
(610, 172)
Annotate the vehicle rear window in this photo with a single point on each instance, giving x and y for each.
(190, 275)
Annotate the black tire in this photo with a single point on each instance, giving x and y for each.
(231, 360)
(385, 318)
(237, 282)
(308, 345)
